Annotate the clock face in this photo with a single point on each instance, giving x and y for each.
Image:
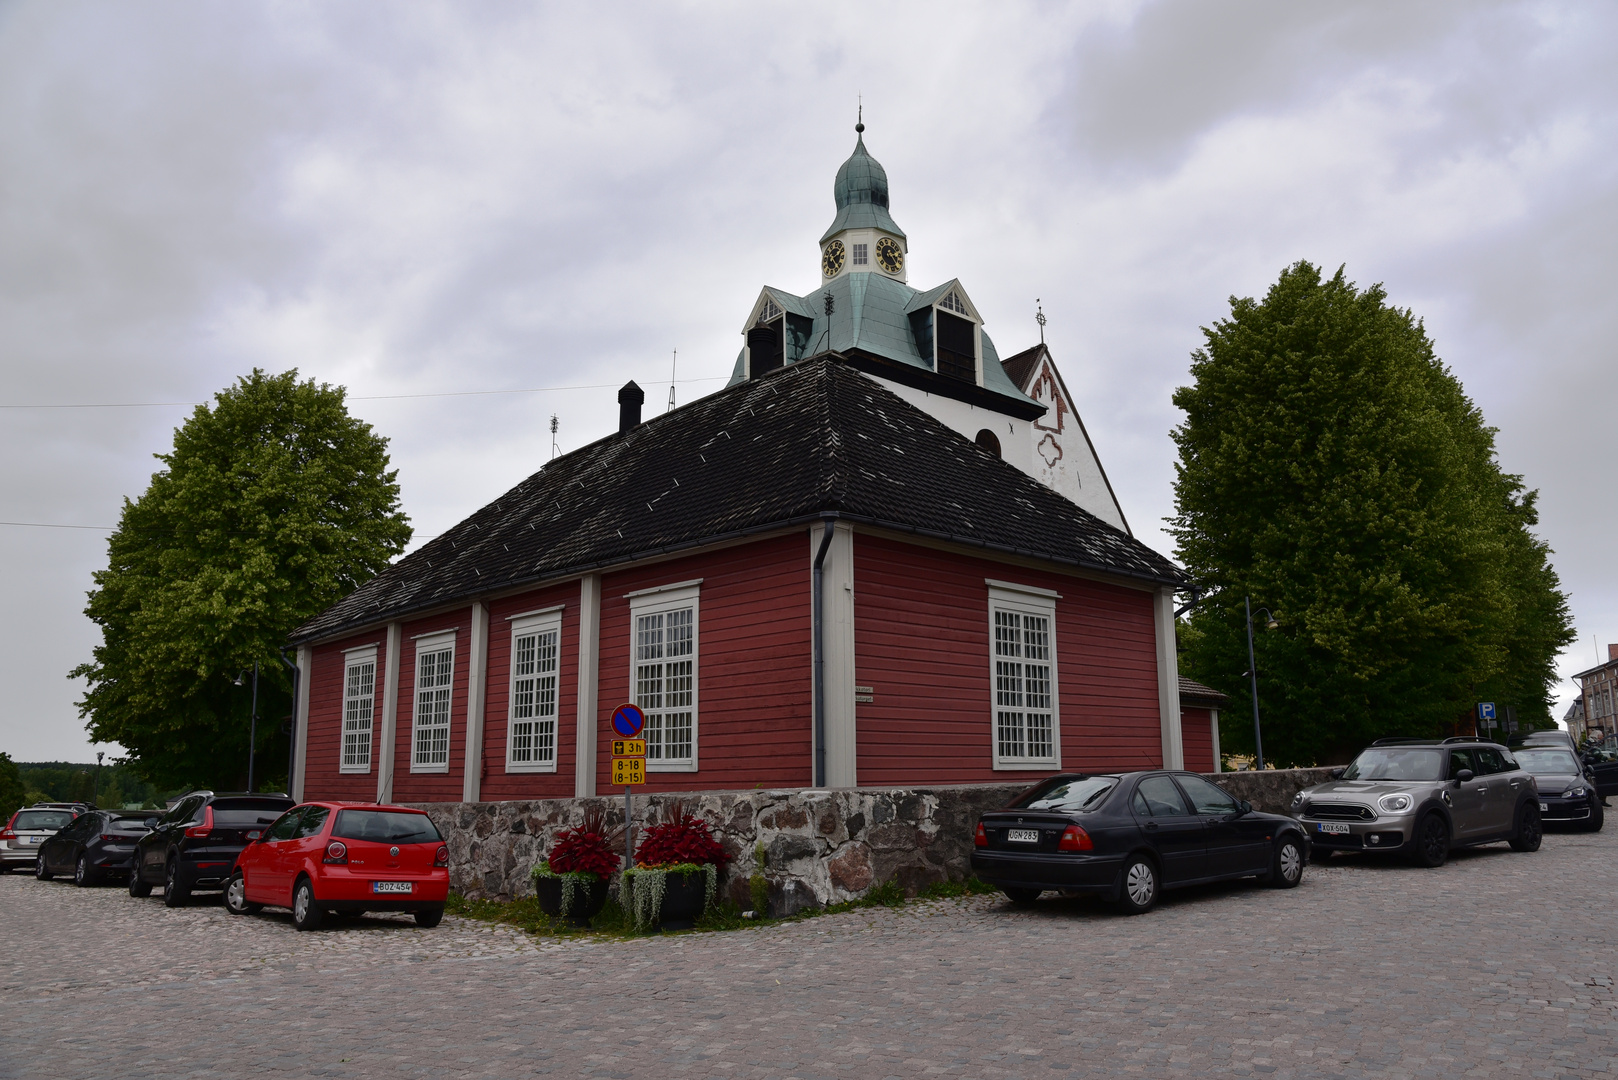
(831, 261)
(889, 255)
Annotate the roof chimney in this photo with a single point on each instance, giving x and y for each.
(1612, 653)
(630, 399)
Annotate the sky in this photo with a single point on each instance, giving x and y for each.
(427, 202)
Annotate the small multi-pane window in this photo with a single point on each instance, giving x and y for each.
(531, 721)
(861, 254)
(1023, 673)
(770, 310)
(435, 676)
(953, 302)
(359, 702)
(664, 676)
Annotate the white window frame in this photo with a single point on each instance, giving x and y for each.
(663, 600)
(431, 644)
(355, 660)
(539, 626)
(1023, 601)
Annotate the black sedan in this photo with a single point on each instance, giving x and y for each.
(97, 845)
(1567, 787)
(1129, 836)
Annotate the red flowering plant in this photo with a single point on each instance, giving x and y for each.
(588, 848)
(680, 839)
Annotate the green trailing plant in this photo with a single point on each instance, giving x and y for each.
(575, 885)
(643, 887)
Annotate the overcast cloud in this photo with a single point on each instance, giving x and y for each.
(416, 199)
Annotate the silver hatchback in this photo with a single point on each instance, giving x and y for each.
(1423, 798)
(27, 829)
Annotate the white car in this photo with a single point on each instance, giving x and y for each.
(29, 828)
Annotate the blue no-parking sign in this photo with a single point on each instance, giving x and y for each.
(627, 720)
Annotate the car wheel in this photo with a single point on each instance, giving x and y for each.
(83, 875)
(175, 894)
(41, 871)
(1286, 867)
(1431, 848)
(138, 886)
(1530, 830)
(1021, 897)
(1596, 815)
(236, 901)
(1138, 894)
(305, 915)
(427, 918)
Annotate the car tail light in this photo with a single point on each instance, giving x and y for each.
(198, 831)
(980, 838)
(1074, 839)
(110, 838)
(7, 834)
(441, 857)
(336, 853)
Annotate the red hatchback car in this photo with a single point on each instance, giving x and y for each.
(344, 857)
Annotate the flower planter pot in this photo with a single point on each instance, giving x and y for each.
(684, 897)
(587, 899)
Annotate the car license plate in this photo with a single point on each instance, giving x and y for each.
(1544, 806)
(35, 839)
(391, 886)
(1023, 836)
(1333, 828)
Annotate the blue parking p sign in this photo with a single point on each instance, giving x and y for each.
(1485, 710)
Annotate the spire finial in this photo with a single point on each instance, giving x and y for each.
(1039, 317)
(859, 126)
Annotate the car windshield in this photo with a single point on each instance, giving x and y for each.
(386, 827)
(133, 824)
(1547, 762)
(1397, 763)
(1067, 794)
(43, 820)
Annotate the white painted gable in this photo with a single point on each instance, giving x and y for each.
(1063, 457)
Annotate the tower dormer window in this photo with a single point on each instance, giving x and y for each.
(953, 302)
(862, 254)
(770, 310)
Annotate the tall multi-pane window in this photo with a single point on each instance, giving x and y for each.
(435, 676)
(664, 674)
(359, 702)
(531, 721)
(1023, 677)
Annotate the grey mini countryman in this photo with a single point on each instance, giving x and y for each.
(1422, 798)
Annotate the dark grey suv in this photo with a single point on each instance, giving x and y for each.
(1423, 798)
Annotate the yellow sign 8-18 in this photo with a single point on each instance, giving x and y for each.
(628, 770)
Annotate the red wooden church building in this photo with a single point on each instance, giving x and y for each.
(872, 560)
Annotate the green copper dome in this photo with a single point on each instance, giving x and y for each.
(861, 191)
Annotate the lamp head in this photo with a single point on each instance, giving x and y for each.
(1272, 624)
(238, 680)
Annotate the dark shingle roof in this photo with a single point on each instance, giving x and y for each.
(1195, 693)
(812, 438)
(1021, 366)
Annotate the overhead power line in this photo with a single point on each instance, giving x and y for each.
(353, 397)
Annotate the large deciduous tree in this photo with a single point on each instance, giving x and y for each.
(272, 504)
(1333, 469)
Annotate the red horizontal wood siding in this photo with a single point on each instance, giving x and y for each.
(753, 665)
(1196, 737)
(323, 740)
(496, 783)
(432, 787)
(921, 638)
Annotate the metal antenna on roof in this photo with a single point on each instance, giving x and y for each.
(554, 448)
(1039, 317)
(672, 368)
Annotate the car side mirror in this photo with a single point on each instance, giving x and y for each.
(1337, 774)
(1464, 775)
(1243, 806)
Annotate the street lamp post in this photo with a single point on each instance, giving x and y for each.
(97, 797)
(1252, 672)
(252, 737)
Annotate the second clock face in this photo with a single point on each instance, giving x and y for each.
(831, 261)
(889, 255)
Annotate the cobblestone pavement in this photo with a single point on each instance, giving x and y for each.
(1499, 964)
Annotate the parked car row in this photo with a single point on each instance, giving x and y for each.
(259, 850)
(1127, 837)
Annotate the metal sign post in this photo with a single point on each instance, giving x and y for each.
(628, 767)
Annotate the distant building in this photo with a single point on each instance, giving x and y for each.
(1598, 693)
(1574, 719)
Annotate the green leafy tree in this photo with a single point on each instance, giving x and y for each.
(272, 504)
(1334, 470)
(12, 790)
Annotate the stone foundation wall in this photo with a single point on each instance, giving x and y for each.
(819, 846)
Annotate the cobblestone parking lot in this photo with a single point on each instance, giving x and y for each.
(1499, 964)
